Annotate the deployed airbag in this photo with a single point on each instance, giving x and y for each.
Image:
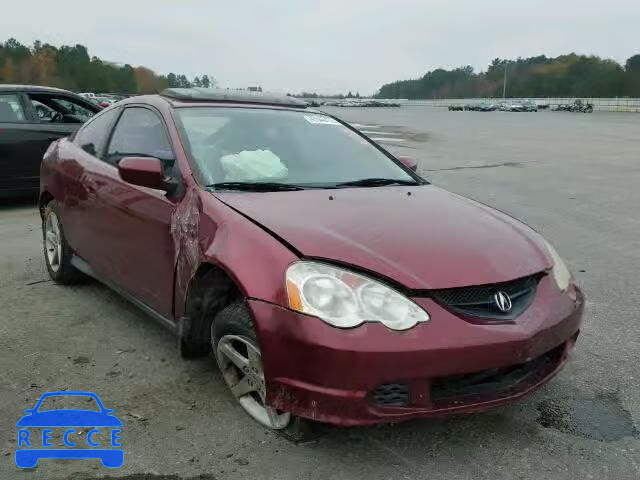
(253, 165)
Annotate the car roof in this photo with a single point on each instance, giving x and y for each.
(33, 88)
(219, 95)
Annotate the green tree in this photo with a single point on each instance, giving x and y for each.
(632, 65)
(183, 81)
(632, 71)
(71, 67)
(172, 80)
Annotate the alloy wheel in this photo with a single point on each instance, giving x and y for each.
(240, 362)
(53, 241)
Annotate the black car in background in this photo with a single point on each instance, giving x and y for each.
(30, 119)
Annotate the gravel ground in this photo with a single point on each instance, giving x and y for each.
(574, 177)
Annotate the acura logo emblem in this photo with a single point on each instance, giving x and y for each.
(502, 301)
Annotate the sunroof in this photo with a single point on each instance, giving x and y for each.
(231, 96)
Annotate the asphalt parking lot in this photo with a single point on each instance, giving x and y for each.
(573, 177)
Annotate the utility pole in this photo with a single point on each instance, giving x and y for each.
(504, 83)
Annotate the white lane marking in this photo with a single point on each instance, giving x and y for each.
(387, 139)
(390, 134)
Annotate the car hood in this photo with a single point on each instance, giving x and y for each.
(69, 418)
(422, 237)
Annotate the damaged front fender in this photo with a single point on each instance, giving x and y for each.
(206, 231)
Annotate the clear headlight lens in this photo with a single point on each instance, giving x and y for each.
(346, 299)
(560, 272)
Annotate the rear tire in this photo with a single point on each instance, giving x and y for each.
(57, 252)
(237, 353)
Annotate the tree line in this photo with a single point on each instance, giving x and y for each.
(72, 68)
(563, 76)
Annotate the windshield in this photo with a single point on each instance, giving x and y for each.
(278, 146)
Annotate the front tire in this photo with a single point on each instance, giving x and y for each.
(237, 353)
(57, 252)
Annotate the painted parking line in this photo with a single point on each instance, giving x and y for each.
(386, 134)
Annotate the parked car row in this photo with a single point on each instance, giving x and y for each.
(522, 106)
(102, 99)
(577, 106)
(514, 106)
(352, 103)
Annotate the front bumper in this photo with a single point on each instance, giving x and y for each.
(330, 375)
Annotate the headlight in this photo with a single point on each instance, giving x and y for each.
(560, 271)
(346, 299)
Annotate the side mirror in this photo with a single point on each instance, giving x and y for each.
(143, 171)
(409, 163)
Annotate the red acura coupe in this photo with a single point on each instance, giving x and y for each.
(330, 281)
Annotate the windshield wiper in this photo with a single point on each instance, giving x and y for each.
(376, 182)
(255, 186)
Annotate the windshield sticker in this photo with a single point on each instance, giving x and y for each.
(320, 120)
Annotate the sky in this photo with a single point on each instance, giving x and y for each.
(327, 46)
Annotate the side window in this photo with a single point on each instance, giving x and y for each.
(74, 108)
(60, 108)
(140, 132)
(11, 109)
(92, 137)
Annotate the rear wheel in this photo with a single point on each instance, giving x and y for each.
(238, 355)
(57, 252)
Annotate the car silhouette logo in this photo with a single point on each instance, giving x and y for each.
(31, 447)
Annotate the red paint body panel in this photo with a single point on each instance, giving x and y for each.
(252, 257)
(326, 373)
(430, 239)
(150, 244)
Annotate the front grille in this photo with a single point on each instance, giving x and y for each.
(391, 394)
(493, 382)
(477, 301)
